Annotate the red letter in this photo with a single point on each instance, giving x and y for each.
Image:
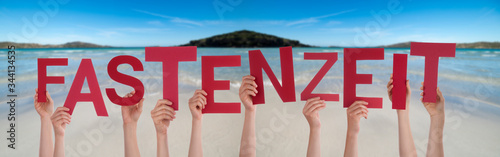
(208, 63)
(258, 62)
(86, 70)
(351, 77)
(170, 58)
(125, 79)
(432, 52)
(331, 58)
(399, 81)
(43, 79)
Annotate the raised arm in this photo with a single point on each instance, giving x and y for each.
(357, 110)
(248, 89)
(406, 144)
(436, 112)
(310, 111)
(130, 115)
(60, 119)
(45, 110)
(162, 114)
(196, 104)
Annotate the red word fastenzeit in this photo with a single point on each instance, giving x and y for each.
(170, 57)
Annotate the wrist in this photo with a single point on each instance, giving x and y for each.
(438, 119)
(45, 119)
(437, 116)
(402, 113)
(161, 135)
(197, 120)
(129, 125)
(249, 107)
(352, 134)
(315, 128)
(59, 135)
(250, 111)
(352, 130)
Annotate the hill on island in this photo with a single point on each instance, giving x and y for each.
(474, 45)
(245, 38)
(76, 44)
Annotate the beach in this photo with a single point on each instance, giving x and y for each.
(470, 84)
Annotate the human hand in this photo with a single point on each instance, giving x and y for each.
(408, 94)
(131, 114)
(390, 86)
(434, 109)
(197, 103)
(248, 89)
(44, 109)
(311, 109)
(162, 114)
(60, 119)
(357, 110)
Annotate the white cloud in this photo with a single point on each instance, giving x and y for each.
(155, 23)
(172, 18)
(334, 23)
(316, 19)
(108, 34)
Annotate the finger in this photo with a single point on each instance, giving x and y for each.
(440, 95)
(199, 105)
(390, 82)
(200, 91)
(422, 94)
(408, 85)
(158, 114)
(62, 117)
(249, 81)
(160, 117)
(250, 87)
(202, 104)
(202, 98)
(357, 111)
(249, 77)
(389, 89)
(313, 99)
(316, 106)
(49, 98)
(312, 103)
(308, 103)
(163, 108)
(61, 111)
(140, 104)
(357, 104)
(163, 101)
(128, 95)
(249, 92)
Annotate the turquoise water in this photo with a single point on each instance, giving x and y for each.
(473, 73)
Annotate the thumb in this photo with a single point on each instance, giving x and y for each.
(140, 104)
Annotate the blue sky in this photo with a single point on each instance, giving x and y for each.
(321, 23)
